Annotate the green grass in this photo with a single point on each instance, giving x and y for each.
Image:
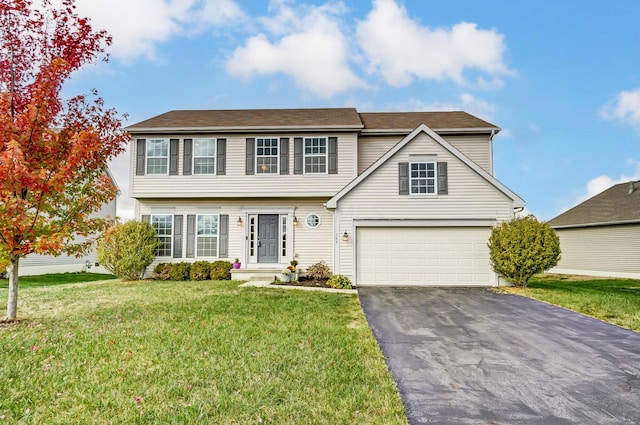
(56, 279)
(615, 301)
(191, 352)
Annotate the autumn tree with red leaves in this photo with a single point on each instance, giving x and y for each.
(53, 151)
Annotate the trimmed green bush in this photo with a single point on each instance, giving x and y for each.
(220, 270)
(162, 271)
(127, 249)
(200, 270)
(180, 271)
(522, 247)
(339, 281)
(319, 271)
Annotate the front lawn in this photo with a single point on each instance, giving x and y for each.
(56, 279)
(191, 352)
(615, 301)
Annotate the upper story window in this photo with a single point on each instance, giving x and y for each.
(315, 155)
(163, 223)
(157, 156)
(204, 156)
(267, 156)
(423, 178)
(207, 235)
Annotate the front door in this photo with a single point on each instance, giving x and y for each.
(268, 238)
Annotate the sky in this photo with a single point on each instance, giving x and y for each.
(560, 78)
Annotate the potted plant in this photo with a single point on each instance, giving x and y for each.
(236, 263)
(286, 275)
(292, 269)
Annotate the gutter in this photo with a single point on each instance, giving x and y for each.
(604, 223)
(234, 129)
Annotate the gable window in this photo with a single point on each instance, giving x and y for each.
(158, 156)
(207, 235)
(423, 178)
(266, 156)
(163, 223)
(204, 156)
(315, 155)
(313, 221)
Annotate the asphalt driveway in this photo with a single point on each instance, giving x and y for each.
(471, 356)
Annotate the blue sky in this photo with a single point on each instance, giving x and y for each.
(561, 78)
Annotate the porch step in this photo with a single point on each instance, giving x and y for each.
(266, 275)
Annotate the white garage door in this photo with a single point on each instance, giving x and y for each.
(444, 256)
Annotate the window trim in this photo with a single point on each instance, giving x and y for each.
(170, 236)
(326, 155)
(434, 178)
(147, 157)
(217, 236)
(276, 156)
(214, 157)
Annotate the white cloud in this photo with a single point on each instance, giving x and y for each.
(137, 26)
(309, 46)
(625, 108)
(466, 102)
(400, 49)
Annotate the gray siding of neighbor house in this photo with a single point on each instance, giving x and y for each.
(600, 251)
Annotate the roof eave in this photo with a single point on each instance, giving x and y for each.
(602, 223)
(240, 129)
(448, 130)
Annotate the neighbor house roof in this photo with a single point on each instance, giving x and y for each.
(308, 119)
(258, 119)
(407, 121)
(617, 205)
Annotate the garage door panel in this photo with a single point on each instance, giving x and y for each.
(423, 256)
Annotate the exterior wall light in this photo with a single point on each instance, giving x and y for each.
(295, 220)
(345, 236)
(239, 222)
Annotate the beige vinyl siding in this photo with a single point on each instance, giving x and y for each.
(476, 147)
(600, 251)
(470, 197)
(236, 183)
(309, 245)
(35, 264)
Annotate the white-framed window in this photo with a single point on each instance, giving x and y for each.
(313, 221)
(163, 223)
(315, 155)
(204, 156)
(267, 156)
(207, 235)
(158, 156)
(423, 178)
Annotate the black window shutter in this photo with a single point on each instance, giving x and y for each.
(191, 236)
(333, 155)
(298, 155)
(403, 178)
(224, 236)
(177, 236)
(221, 157)
(284, 155)
(173, 157)
(250, 161)
(187, 157)
(146, 218)
(443, 184)
(141, 153)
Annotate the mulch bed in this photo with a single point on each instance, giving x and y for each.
(303, 281)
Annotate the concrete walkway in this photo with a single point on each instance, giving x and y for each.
(470, 356)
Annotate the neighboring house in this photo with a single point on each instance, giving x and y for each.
(404, 198)
(601, 236)
(35, 264)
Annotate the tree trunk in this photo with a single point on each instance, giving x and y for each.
(12, 302)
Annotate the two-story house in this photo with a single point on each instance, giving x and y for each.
(403, 198)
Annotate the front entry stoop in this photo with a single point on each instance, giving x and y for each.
(262, 275)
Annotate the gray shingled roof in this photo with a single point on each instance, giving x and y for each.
(618, 204)
(307, 118)
(410, 120)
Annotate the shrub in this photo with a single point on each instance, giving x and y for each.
(319, 271)
(200, 270)
(522, 247)
(339, 281)
(127, 249)
(220, 270)
(162, 271)
(180, 271)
